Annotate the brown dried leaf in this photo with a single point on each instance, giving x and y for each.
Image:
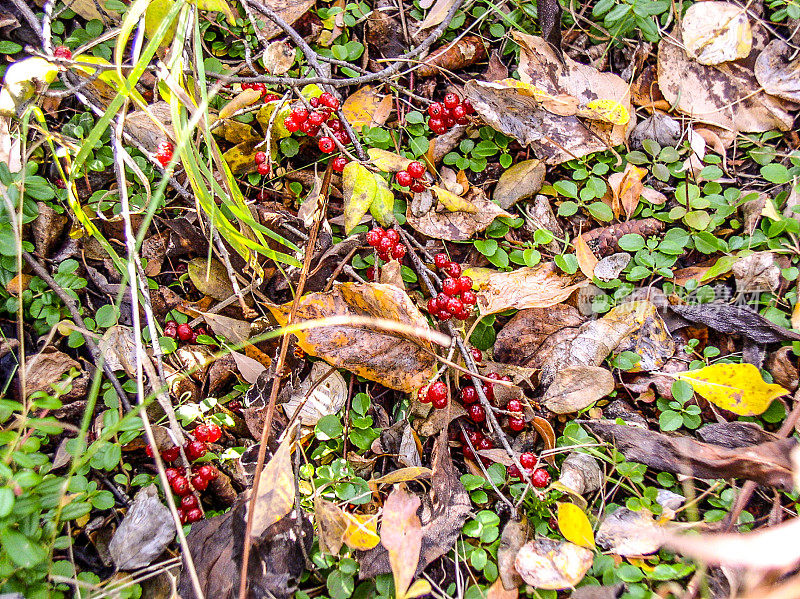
(577, 387)
(625, 533)
(457, 226)
(523, 336)
(519, 182)
(289, 10)
(210, 278)
(279, 57)
(460, 55)
(587, 261)
(401, 535)
(777, 74)
(716, 32)
(741, 320)
(515, 534)
(47, 368)
(276, 488)
(626, 189)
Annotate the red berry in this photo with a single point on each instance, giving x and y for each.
(399, 252)
(459, 112)
(317, 118)
(451, 101)
(172, 474)
(339, 163)
(433, 306)
(307, 128)
(374, 237)
(454, 305)
(435, 110)
(171, 454)
(449, 121)
(214, 433)
(488, 390)
(299, 114)
(329, 100)
(246, 85)
(194, 337)
(422, 394)
(516, 424)
(437, 392)
(437, 125)
(189, 502)
(326, 144)
(477, 354)
(314, 102)
(60, 183)
(514, 405)
(453, 269)
(201, 433)
(335, 125)
(475, 437)
(416, 170)
(194, 515)
(386, 245)
(259, 87)
(418, 186)
(464, 313)
(403, 179)
(513, 472)
(485, 443)
(62, 52)
(342, 136)
(179, 486)
(264, 168)
(494, 376)
(271, 98)
(441, 260)
(468, 107)
(450, 287)
(149, 451)
(464, 283)
(540, 478)
(383, 255)
(476, 413)
(442, 300)
(469, 298)
(260, 157)
(199, 483)
(527, 460)
(440, 402)
(291, 124)
(195, 450)
(469, 395)
(185, 332)
(444, 314)
(462, 121)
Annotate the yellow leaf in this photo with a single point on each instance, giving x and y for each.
(607, 110)
(275, 494)
(362, 531)
(217, 6)
(386, 161)
(367, 107)
(241, 100)
(359, 188)
(737, 388)
(453, 202)
(574, 525)
(382, 207)
(586, 259)
(418, 589)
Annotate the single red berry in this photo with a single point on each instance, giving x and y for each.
(418, 186)
(454, 305)
(527, 460)
(540, 478)
(201, 433)
(450, 287)
(476, 413)
(201, 330)
(314, 102)
(208, 472)
(264, 168)
(329, 100)
(485, 443)
(513, 472)
(514, 405)
(371, 274)
(194, 515)
(335, 125)
(62, 52)
(179, 486)
(343, 137)
(185, 332)
(449, 121)
(437, 391)
(469, 298)
(453, 269)
(416, 169)
(469, 395)
(442, 300)
(506, 378)
(462, 121)
(171, 473)
(475, 437)
(260, 87)
(516, 424)
(171, 454)
(326, 144)
(422, 394)
(181, 513)
(291, 124)
(214, 433)
(60, 183)
(468, 107)
(464, 283)
(339, 163)
(374, 236)
(459, 112)
(437, 125)
(451, 101)
(195, 450)
(271, 98)
(464, 313)
(441, 260)
(317, 118)
(189, 502)
(488, 390)
(260, 157)
(246, 85)
(399, 251)
(386, 245)
(477, 354)
(403, 179)
(149, 451)
(445, 315)
(307, 128)
(199, 483)
(436, 109)
(300, 114)
(433, 306)
(439, 402)
(171, 331)
(393, 235)
(383, 255)
(495, 376)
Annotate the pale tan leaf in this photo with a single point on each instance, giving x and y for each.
(276, 489)
(716, 32)
(537, 287)
(401, 535)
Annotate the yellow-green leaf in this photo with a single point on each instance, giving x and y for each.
(359, 188)
(382, 207)
(453, 202)
(737, 388)
(574, 525)
(217, 6)
(607, 110)
(241, 100)
(388, 162)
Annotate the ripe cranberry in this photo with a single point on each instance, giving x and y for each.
(468, 107)
(449, 121)
(454, 305)
(416, 170)
(271, 98)
(299, 114)
(439, 402)
(450, 287)
(317, 118)
(476, 413)
(60, 183)
(326, 144)
(62, 52)
(374, 236)
(314, 102)
(246, 85)
(149, 451)
(329, 100)
(433, 306)
(418, 186)
(422, 394)
(475, 437)
(464, 313)
(264, 168)
(513, 472)
(469, 298)
(441, 260)
(464, 283)
(201, 433)
(469, 395)
(195, 450)
(514, 405)
(171, 454)
(485, 443)
(451, 101)
(386, 245)
(488, 390)
(194, 515)
(214, 433)
(307, 128)
(260, 157)
(181, 513)
(189, 502)
(384, 255)
(437, 392)
(516, 424)
(540, 478)
(172, 474)
(259, 87)
(527, 460)
(335, 124)
(462, 121)
(199, 483)
(171, 331)
(185, 332)
(436, 109)
(399, 252)
(393, 235)
(459, 112)
(477, 354)
(343, 137)
(438, 126)
(179, 486)
(291, 124)
(442, 300)
(164, 152)
(453, 269)
(403, 179)
(208, 472)
(445, 315)
(339, 163)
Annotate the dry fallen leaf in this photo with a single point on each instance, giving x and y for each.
(587, 261)
(457, 226)
(367, 108)
(276, 488)
(519, 182)
(574, 525)
(279, 57)
(549, 564)
(462, 53)
(46, 368)
(715, 32)
(210, 278)
(577, 387)
(777, 72)
(625, 532)
(627, 188)
(323, 392)
(401, 535)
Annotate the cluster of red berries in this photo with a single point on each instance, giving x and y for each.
(182, 486)
(183, 332)
(262, 164)
(309, 122)
(412, 177)
(62, 52)
(387, 242)
(480, 442)
(457, 298)
(164, 151)
(540, 477)
(517, 422)
(452, 111)
(435, 393)
(266, 95)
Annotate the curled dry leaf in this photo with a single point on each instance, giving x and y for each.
(715, 32)
(323, 392)
(515, 534)
(47, 368)
(519, 182)
(336, 528)
(457, 226)
(401, 536)
(279, 57)
(625, 532)
(399, 360)
(611, 266)
(276, 488)
(531, 287)
(741, 320)
(626, 189)
(757, 272)
(587, 261)
(145, 532)
(367, 107)
(452, 202)
(549, 564)
(520, 341)
(577, 387)
(461, 54)
(581, 473)
(777, 72)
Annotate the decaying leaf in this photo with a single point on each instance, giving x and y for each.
(515, 534)
(144, 533)
(457, 226)
(577, 387)
(46, 368)
(524, 336)
(738, 388)
(288, 10)
(581, 473)
(367, 107)
(401, 535)
(766, 463)
(549, 564)
(627, 188)
(337, 527)
(536, 287)
(452, 202)
(459, 55)
(610, 267)
(276, 489)
(323, 392)
(388, 162)
(210, 278)
(519, 182)
(715, 32)
(757, 272)
(587, 261)
(626, 532)
(397, 360)
(741, 320)
(777, 72)
(279, 57)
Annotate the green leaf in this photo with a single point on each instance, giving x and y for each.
(22, 551)
(631, 242)
(6, 501)
(670, 421)
(359, 188)
(328, 427)
(776, 173)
